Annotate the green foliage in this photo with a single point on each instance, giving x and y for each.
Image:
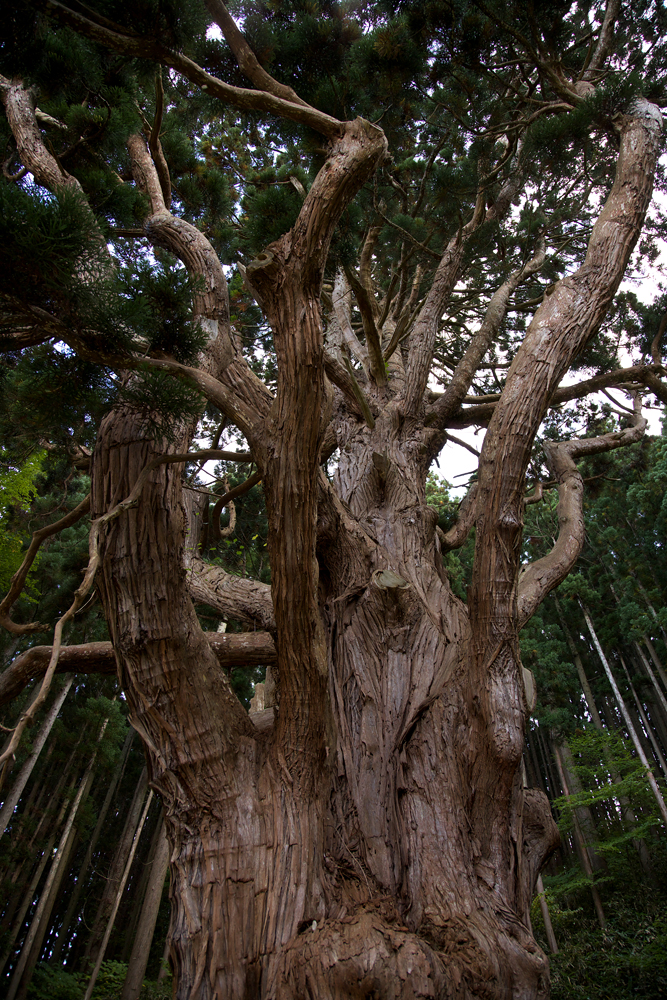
(55, 984)
(17, 489)
(623, 962)
(605, 766)
(634, 942)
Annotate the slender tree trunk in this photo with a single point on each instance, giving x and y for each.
(27, 900)
(654, 615)
(116, 870)
(631, 729)
(164, 967)
(36, 926)
(136, 969)
(9, 805)
(119, 894)
(43, 926)
(644, 722)
(582, 846)
(656, 687)
(644, 737)
(583, 679)
(657, 711)
(624, 802)
(85, 864)
(16, 872)
(654, 656)
(546, 917)
(584, 814)
(139, 888)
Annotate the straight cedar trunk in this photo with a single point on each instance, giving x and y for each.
(39, 925)
(22, 903)
(81, 882)
(623, 800)
(138, 890)
(14, 794)
(145, 928)
(116, 870)
(377, 839)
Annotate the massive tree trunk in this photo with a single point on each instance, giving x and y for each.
(377, 840)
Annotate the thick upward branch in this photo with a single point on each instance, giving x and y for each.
(561, 328)
(425, 330)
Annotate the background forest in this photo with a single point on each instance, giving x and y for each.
(84, 883)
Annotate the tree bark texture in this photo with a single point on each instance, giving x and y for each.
(376, 839)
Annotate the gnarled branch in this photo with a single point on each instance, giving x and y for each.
(122, 40)
(561, 328)
(232, 596)
(540, 577)
(233, 649)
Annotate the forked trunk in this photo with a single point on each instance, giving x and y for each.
(376, 840)
(400, 860)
